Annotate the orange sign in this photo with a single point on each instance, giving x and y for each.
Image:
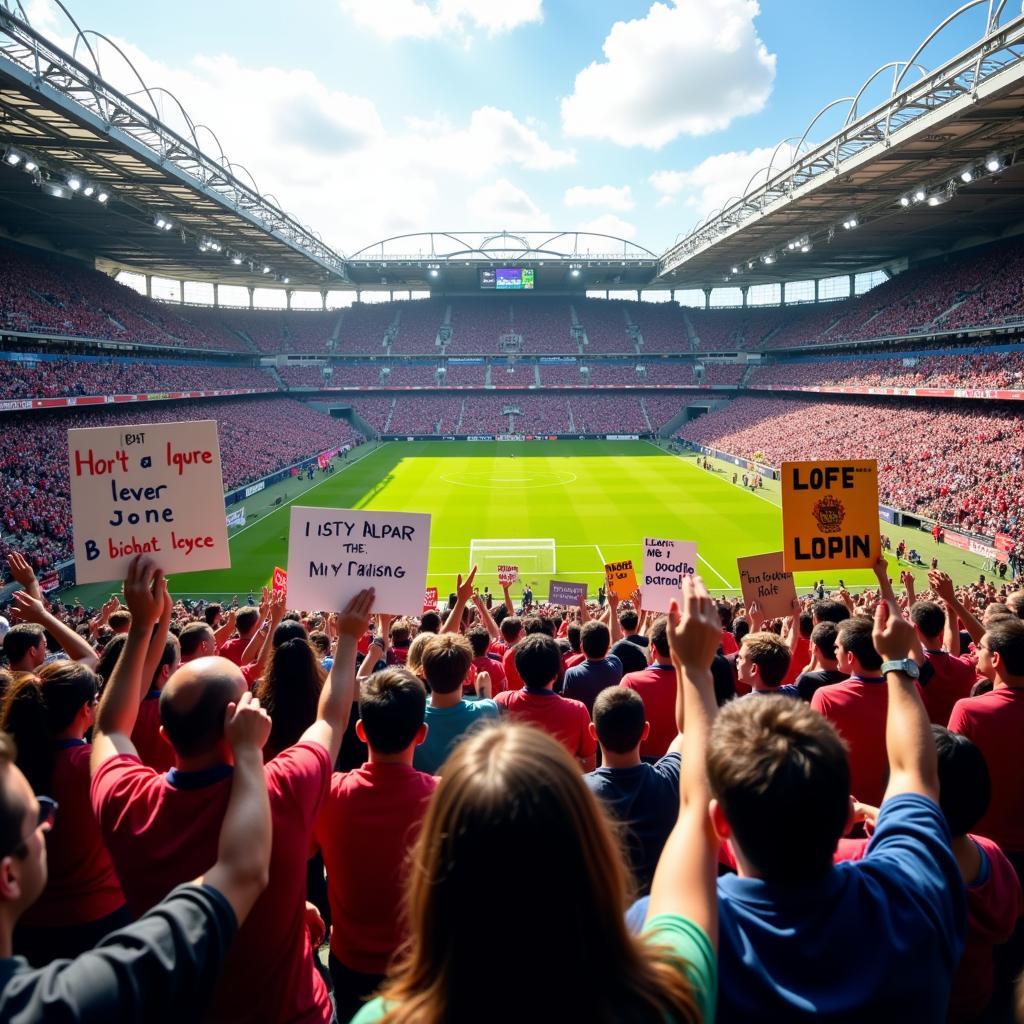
(621, 579)
(830, 515)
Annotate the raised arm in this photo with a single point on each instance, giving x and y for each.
(23, 574)
(913, 765)
(509, 606)
(374, 654)
(881, 569)
(614, 626)
(907, 579)
(31, 609)
(942, 584)
(339, 694)
(243, 852)
(119, 706)
(463, 594)
(486, 618)
(157, 642)
(684, 881)
(223, 635)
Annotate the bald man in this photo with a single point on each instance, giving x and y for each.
(161, 829)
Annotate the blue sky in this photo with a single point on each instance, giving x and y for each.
(369, 118)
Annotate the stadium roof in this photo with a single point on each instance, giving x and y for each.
(61, 122)
(889, 184)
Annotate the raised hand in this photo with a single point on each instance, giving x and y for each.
(21, 572)
(144, 591)
(695, 633)
(26, 608)
(464, 588)
(894, 637)
(246, 724)
(942, 584)
(351, 621)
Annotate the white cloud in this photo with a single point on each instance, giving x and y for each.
(608, 196)
(503, 205)
(609, 224)
(688, 68)
(714, 181)
(421, 19)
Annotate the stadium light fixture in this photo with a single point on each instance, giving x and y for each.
(286, 280)
(806, 247)
(433, 273)
(102, 196)
(159, 221)
(13, 157)
(769, 259)
(90, 190)
(266, 269)
(850, 223)
(237, 258)
(55, 189)
(920, 196)
(904, 200)
(74, 182)
(967, 176)
(994, 163)
(735, 270)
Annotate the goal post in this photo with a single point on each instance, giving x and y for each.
(534, 556)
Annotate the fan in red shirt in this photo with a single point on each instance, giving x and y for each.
(480, 640)
(366, 827)
(657, 686)
(511, 633)
(857, 708)
(162, 830)
(247, 624)
(945, 679)
(539, 662)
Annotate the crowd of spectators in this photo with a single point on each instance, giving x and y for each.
(465, 374)
(364, 326)
(477, 324)
(606, 326)
(418, 325)
(257, 437)
(544, 325)
(723, 373)
(313, 376)
(662, 326)
(962, 465)
(416, 414)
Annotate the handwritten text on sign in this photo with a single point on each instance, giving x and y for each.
(764, 580)
(830, 514)
(621, 579)
(666, 564)
(508, 574)
(154, 489)
(563, 592)
(334, 553)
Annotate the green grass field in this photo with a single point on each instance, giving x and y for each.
(596, 499)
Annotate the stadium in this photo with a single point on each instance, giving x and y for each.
(550, 398)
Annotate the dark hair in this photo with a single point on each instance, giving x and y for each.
(740, 629)
(211, 613)
(288, 629)
(827, 610)
(122, 617)
(38, 708)
(1004, 637)
(823, 636)
(595, 638)
(192, 636)
(658, 636)
(401, 633)
(511, 627)
(965, 788)
(806, 624)
(619, 718)
(246, 618)
(392, 707)
(725, 615)
(770, 654)
(780, 772)
(290, 692)
(479, 639)
(1015, 602)
(109, 657)
(533, 624)
(855, 636)
(629, 619)
(538, 660)
(572, 634)
(446, 660)
(430, 622)
(929, 618)
(20, 639)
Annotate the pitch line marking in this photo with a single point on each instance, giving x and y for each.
(716, 572)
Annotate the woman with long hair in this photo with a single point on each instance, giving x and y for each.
(512, 795)
(290, 690)
(48, 714)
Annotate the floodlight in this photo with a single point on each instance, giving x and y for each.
(89, 190)
(74, 183)
(102, 197)
(769, 259)
(55, 189)
(904, 200)
(433, 273)
(994, 163)
(159, 221)
(31, 165)
(806, 247)
(574, 272)
(967, 176)
(285, 280)
(13, 157)
(237, 259)
(735, 270)
(919, 196)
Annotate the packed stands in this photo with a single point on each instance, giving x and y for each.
(415, 414)
(257, 437)
(513, 375)
(411, 375)
(605, 326)
(724, 373)
(961, 464)
(363, 326)
(465, 374)
(308, 376)
(477, 324)
(614, 373)
(662, 326)
(418, 324)
(661, 408)
(560, 374)
(544, 325)
(663, 372)
(375, 411)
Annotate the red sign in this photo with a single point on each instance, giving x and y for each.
(1004, 542)
(430, 599)
(51, 581)
(957, 540)
(280, 580)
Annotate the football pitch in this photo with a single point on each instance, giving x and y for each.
(596, 500)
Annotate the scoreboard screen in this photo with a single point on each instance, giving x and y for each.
(507, 278)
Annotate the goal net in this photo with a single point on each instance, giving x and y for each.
(532, 556)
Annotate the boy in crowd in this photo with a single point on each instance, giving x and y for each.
(945, 679)
(643, 797)
(160, 829)
(366, 827)
(585, 681)
(762, 663)
(539, 661)
(445, 664)
(825, 668)
(480, 641)
(656, 686)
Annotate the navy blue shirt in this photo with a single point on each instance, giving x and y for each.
(583, 682)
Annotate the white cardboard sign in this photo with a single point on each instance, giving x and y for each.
(333, 553)
(508, 574)
(666, 563)
(148, 488)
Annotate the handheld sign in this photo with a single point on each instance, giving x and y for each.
(430, 599)
(507, 574)
(279, 581)
(152, 488)
(666, 564)
(830, 514)
(560, 592)
(334, 553)
(621, 579)
(763, 578)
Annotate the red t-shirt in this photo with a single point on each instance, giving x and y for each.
(569, 660)
(565, 719)
(162, 830)
(857, 708)
(366, 827)
(81, 884)
(657, 686)
(494, 669)
(951, 680)
(798, 662)
(233, 649)
(154, 751)
(513, 680)
(995, 722)
(729, 645)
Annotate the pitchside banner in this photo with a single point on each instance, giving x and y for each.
(666, 564)
(830, 515)
(154, 489)
(333, 553)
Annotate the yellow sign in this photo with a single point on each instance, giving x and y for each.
(830, 515)
(621, 579)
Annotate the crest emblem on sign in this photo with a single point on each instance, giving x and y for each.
(830, 513)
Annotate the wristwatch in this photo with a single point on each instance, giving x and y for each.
(908, 666)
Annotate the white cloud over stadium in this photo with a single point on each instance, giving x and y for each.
(417, 19)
